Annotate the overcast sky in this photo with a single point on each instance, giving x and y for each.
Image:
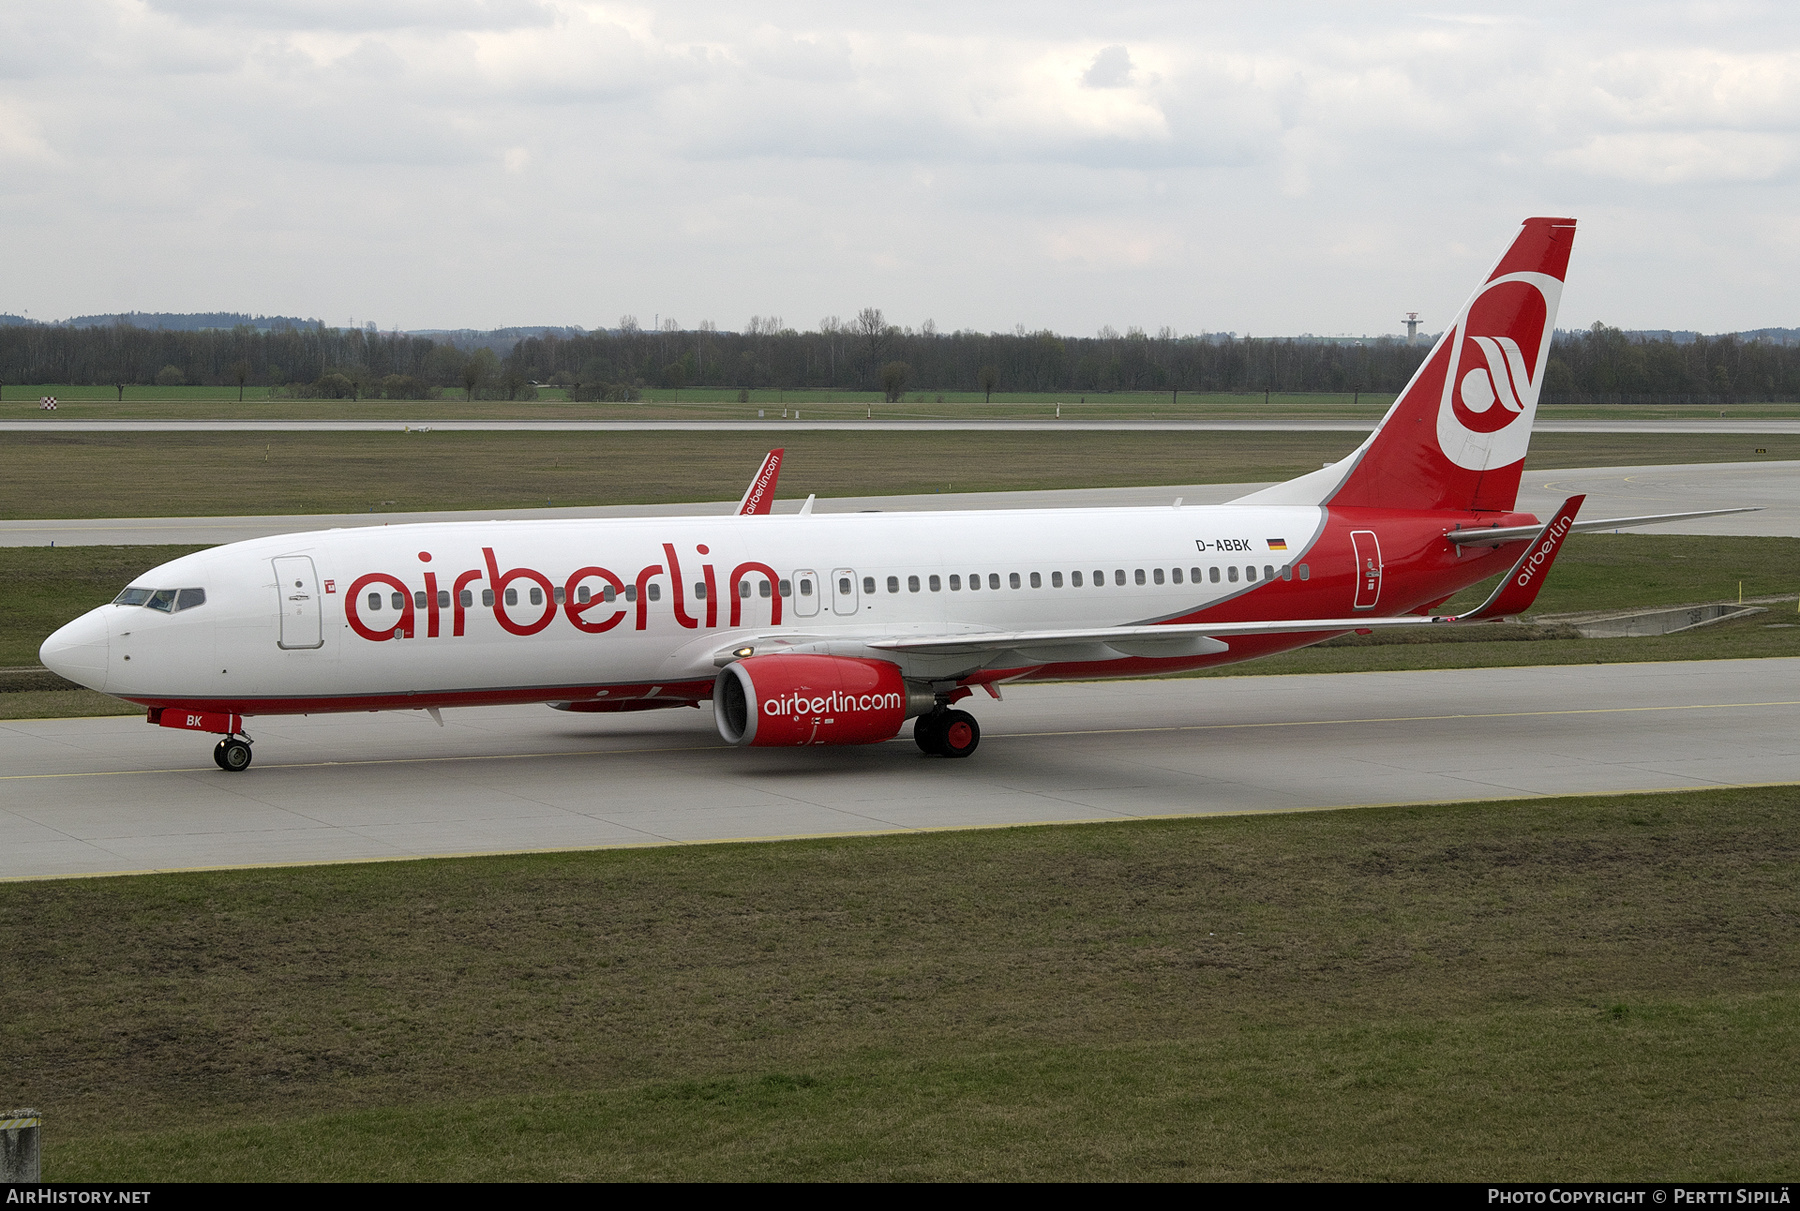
(1249, 167)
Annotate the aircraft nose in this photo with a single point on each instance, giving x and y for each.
(79, 650)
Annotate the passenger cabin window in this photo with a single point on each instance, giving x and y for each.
(1268, 571)
(512, 597)
(1075, 580)
(993, 580)
(374, 602)
(1119, 575)
(843, 586)
(487, 597)
(398, 600)
(1212, 574)
(1230, 574)
(1157, 575)
(868, 584)
(1250, 573)
(655, 591)
(581, 596)
(805, 587)
(700, 590)
(762, 589)
(609, 593)
(631, 592)
(1138, 576)
(1056, 579)
(443, 596)
(974, 581)
(1305, 572)
(466, 598)
(1012, 579)
(556, 595)
(912, 584)
(955, 584)
(893, 584)
(1037, 582)
(786, 588)
(936, 585)
(418, 599)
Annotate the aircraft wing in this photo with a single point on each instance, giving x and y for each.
(1502, 534)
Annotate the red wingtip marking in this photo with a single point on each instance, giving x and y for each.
(759, 498)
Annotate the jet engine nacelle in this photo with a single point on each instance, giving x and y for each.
(810, 699)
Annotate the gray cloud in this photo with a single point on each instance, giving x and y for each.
(1211, 167)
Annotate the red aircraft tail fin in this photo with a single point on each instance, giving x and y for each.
(1456, 438)
(759, 497)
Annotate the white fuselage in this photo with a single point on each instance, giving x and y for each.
(359, 615)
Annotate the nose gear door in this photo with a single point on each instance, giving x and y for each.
(297, 589)
(1368, 568)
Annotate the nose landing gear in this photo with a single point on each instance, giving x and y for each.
(947, 733)
(232, 754)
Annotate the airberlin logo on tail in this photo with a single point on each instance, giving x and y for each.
(1498, 348)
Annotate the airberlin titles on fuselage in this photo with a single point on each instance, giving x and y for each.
(594, 599)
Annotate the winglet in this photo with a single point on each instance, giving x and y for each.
(759, 497)
(1515, 594)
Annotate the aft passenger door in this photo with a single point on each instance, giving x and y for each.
(1368, 568)
(297, 590)
(843, 590)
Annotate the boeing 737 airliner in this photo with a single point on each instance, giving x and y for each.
(836, 629)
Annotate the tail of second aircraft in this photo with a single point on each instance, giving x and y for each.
(1456, 437)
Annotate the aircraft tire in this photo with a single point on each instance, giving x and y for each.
(219, 754)
(233, 755)
(960, 734)
(928, 733)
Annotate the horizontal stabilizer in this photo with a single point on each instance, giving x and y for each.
(1503, 534)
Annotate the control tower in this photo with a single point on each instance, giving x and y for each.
(1412, 327)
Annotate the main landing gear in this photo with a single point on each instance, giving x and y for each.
(232, 754)
(947, 733)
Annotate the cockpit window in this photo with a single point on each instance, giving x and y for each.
(169, 601)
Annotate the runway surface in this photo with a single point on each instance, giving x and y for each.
(110, 795)
(776, 427)
(1612, 492)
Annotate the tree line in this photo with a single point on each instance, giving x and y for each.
(1599, 364)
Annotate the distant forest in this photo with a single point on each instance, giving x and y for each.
(1599, 364)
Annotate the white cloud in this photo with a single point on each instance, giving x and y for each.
(1210, 166)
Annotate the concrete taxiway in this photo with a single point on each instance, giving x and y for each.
(110, 795)
(1612, 492)
(777, 427)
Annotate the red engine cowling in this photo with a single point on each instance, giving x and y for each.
(805, 699)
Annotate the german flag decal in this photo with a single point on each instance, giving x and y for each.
(1277, 544)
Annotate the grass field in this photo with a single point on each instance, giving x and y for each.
(155, 474)
(1597, 988)
(703, 403)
